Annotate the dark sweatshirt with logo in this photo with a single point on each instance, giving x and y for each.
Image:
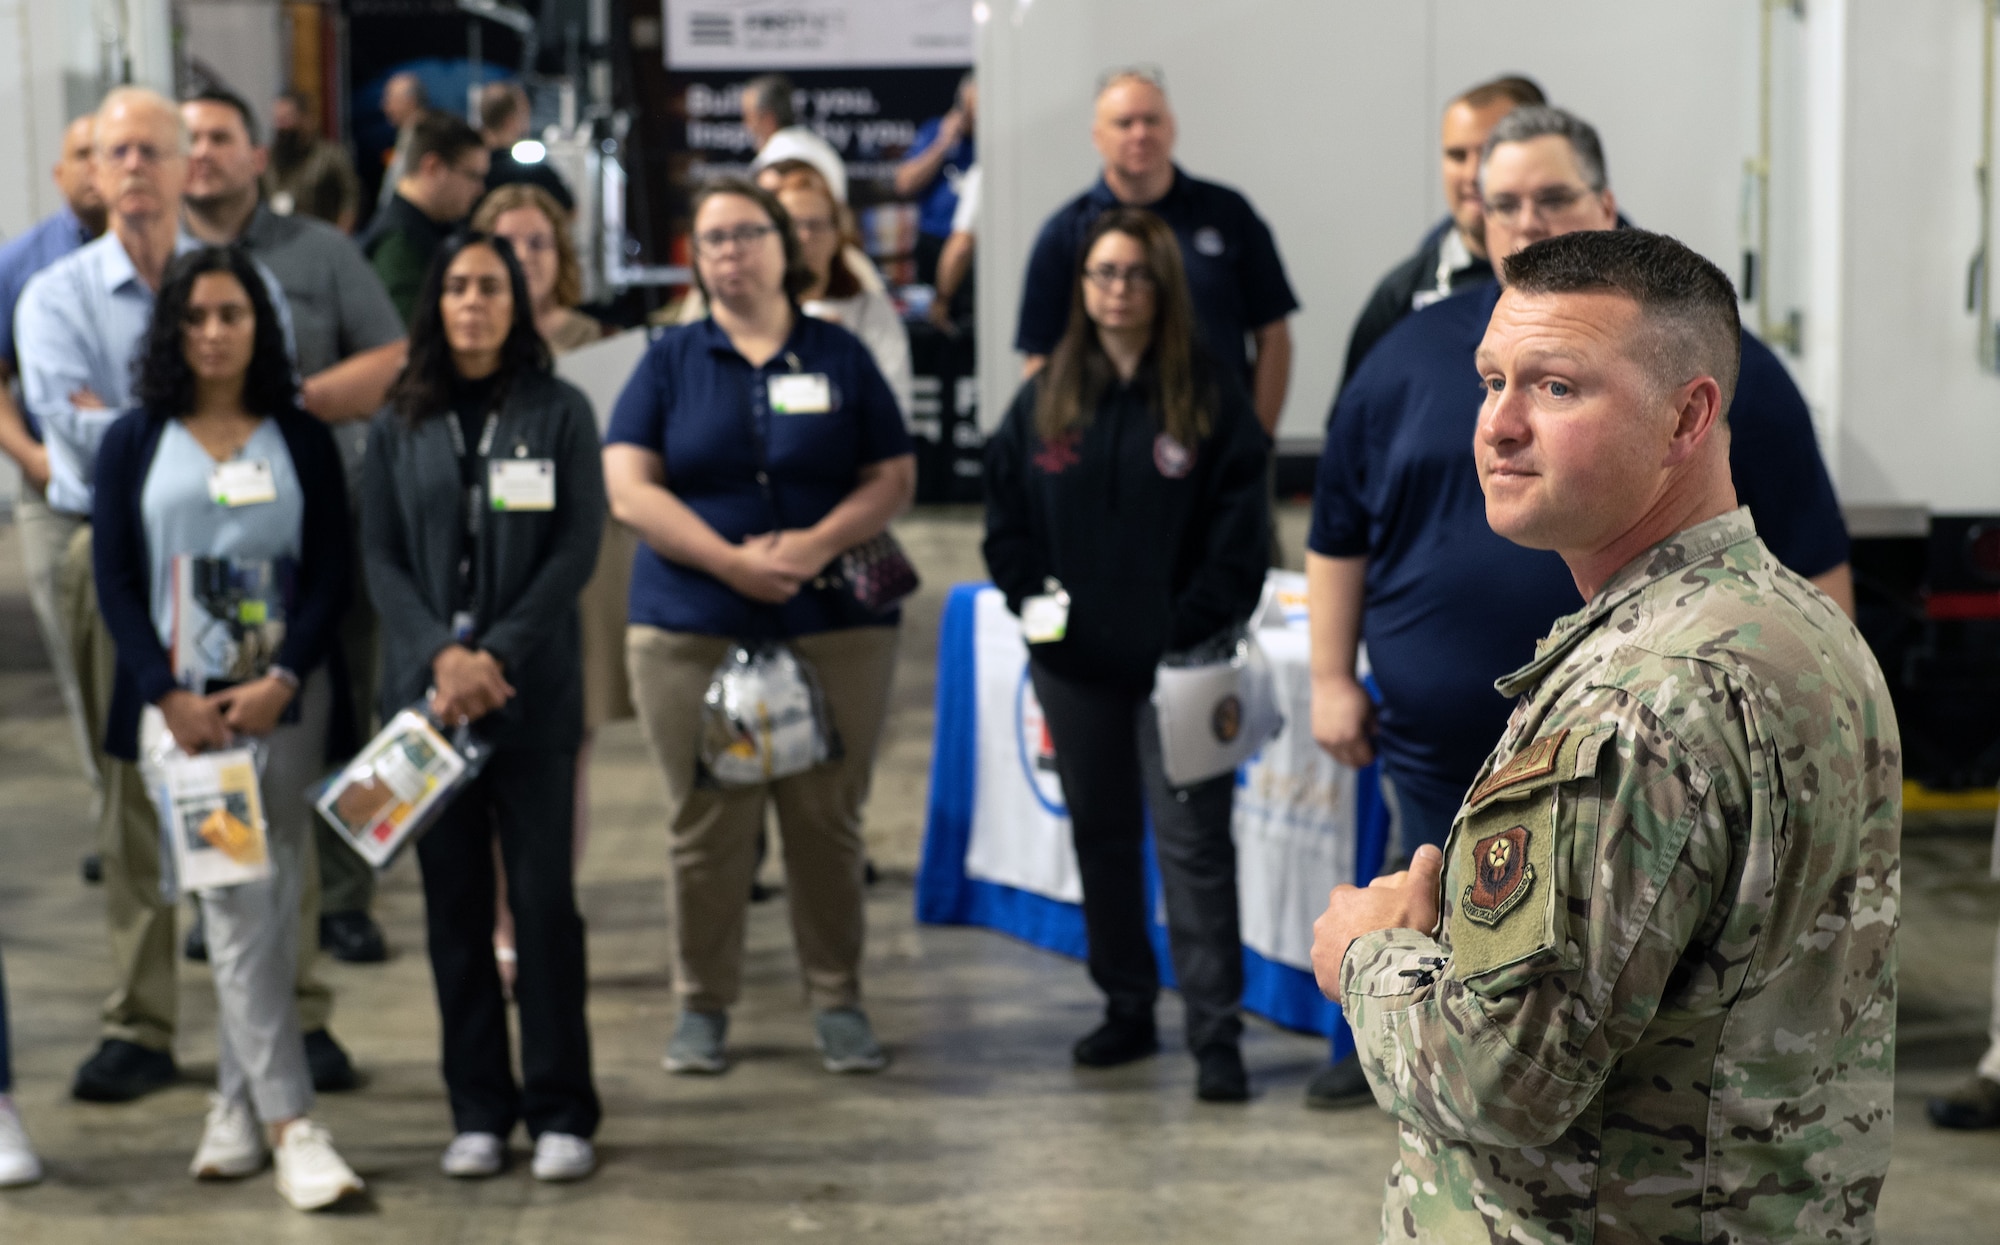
(1159, 545)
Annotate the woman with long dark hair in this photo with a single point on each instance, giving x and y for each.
(485, 500)
(1125, 510)
(218, 476)
(749, 451)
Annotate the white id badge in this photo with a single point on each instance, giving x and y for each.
(801, 393)
(1045, 618)
(521, 483)
(244, 482)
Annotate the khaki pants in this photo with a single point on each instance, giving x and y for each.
(142, 1004)
(714, 830)
(45, 539)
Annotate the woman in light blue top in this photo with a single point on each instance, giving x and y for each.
(221, 558)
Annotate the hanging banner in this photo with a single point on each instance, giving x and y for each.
(817, 34)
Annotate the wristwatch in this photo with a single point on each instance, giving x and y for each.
(285, 676)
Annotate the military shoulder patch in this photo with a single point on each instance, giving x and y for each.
(1537, 760)
(1502, 876)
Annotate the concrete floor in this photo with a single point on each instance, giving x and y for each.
(980, 1132)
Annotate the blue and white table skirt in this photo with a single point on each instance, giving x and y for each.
(997, 849)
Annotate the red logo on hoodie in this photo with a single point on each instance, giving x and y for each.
(1058, 455)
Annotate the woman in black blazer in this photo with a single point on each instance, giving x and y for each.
(218, 477)
(484, 505)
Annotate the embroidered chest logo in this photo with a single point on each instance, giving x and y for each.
(1501, 877)
(1208, 241)
(1058, 455)
(1173, 459)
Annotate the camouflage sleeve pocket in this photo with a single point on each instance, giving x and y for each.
(1506, 869)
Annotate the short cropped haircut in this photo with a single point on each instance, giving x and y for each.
(1532, 121)
(1687, 301)
(443, 135)
(772, 93)
(135, 98)
(499, 102)
(1517, 89)
(228, 99)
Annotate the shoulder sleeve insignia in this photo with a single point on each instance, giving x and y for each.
(1536, 760)
(1501, 879)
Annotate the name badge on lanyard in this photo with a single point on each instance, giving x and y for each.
(521, 483)
(244, 482)
(801, 393)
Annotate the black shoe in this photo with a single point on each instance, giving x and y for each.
(1219, 1075)
(93, 868)
(1975, 1104)
(353, 937)
(120, 1071)
(1342, 1085)
(1118, 1040)
(195, 946)
(332, 1070)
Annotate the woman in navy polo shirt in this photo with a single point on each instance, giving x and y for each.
(749, 451)
(1124, 520)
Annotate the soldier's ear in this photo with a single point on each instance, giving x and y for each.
(1697, 418)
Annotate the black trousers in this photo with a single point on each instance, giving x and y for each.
(527, 799)
(1107, 745)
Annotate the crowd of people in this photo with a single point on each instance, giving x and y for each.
(186, 316)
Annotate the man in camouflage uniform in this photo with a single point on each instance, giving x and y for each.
(1660, 1005)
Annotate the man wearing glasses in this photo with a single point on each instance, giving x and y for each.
(1241, 295)
(1400, 552)
(448, 164)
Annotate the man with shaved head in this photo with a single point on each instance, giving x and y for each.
(1241, 297)
(1647, 989)
(77, 327)
(45, 533)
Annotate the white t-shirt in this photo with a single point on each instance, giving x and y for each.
(870, 316)
(965, 219)
(796, 142)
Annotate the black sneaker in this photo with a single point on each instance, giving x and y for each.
(353, 937)
(332, 1070)
(1342, 1085)
(120, 1071)
(1975, 1104)
(1117, 1041)
(195, 945)
(1219, 1075)
(93, 869)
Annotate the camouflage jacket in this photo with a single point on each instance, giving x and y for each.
(1661, 1004)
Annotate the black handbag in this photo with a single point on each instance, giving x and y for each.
(878, 574)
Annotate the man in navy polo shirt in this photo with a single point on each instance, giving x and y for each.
(1233, 271)
(941, 155)
(1400, 553)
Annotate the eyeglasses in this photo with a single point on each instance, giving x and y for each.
(1548, 203)
(1110, 276)
(145, 153)
(713, 240)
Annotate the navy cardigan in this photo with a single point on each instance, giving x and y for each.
(124, 573)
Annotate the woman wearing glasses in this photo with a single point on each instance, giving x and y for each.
(837, 292)
(749, 451)
(1125, 519)
(484, 504)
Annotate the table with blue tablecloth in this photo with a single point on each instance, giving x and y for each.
(997, 847)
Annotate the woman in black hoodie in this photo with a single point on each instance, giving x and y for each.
(1126, 519)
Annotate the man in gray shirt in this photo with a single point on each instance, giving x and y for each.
(351, 346)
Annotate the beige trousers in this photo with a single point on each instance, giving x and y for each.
(713, 830)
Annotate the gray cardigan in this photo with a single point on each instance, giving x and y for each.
(532, 564)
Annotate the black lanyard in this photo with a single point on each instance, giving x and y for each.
(475, 502)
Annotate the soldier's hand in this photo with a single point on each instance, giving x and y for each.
(1406, 900)
(1343, 720)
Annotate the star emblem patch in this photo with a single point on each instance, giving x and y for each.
(1501, 875)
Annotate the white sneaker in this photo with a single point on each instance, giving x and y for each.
(232, 1144)
(562, 1156)
(311, 1176)
(474, 1156)
(18, 1164)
